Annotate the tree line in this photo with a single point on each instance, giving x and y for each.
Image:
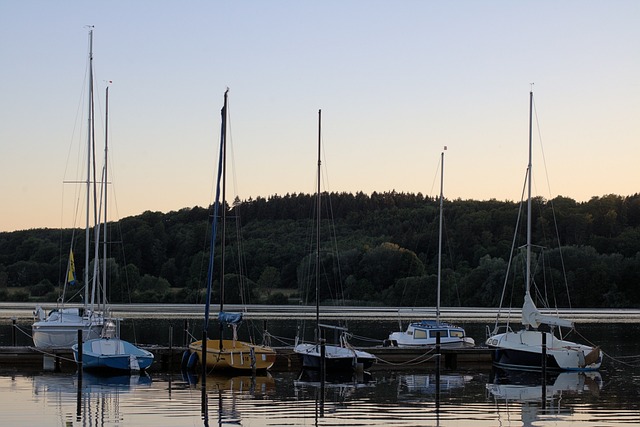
(379, 249)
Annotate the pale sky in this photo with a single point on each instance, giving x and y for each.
(396, 81)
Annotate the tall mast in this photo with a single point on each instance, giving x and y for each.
(223, 136)
(88, 183)
(223, 132)
(106, 185)
(318, 232)
(440, 233)
(214, 227)
(528, 280)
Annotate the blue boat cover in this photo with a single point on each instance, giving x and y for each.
(229, 318)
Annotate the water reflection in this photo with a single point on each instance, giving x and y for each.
(430, 384)
(540, 398)
(225, 394)
(311, 378)
(97, 398)
(256, 385)
(386, 398)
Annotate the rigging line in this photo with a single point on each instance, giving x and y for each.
(451, 261)
(306, 281)
(115, 223)
(332, 228)
(78, 116)
(544, 159)
(435, 178)
(513, 244)
(547, 271)
(553, 211)
(560, 252)
(367, 339)
(426, 225)
(230, 146)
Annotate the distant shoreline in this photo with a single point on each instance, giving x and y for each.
(21, 311)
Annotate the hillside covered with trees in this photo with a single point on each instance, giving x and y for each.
(387, 250)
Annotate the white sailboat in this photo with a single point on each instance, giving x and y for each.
(59, 328)
(526, 348)
(337, 358)
(426, 333)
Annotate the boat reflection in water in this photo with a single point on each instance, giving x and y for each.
(342, 383)
(95, 396)
(540, 399)
(431, 384)
(227, 393)
(323, 396)
(68, 384)
(256, 385)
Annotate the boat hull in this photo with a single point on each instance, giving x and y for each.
(523, 350)
(113, 354)
(403, 340)
(60, 329)
(235, 355)
(451, 344)
(337, 359)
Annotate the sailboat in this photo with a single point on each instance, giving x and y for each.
(425, 333)
(59, 328)
(112, 355)
(318, 355)
(226, 354)
(529, 348)
(109, 353)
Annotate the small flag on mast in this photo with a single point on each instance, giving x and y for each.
(71, 275)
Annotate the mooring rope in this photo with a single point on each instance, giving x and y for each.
(283, 340)
(55, 355)
(367, 339)
(415, 361)
(19, 328)
(615, 359)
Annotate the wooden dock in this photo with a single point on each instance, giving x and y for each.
(169, 358)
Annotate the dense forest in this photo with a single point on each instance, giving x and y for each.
(379, 249)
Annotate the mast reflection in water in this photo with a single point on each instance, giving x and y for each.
(385, 398)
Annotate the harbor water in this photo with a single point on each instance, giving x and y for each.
(391, 396)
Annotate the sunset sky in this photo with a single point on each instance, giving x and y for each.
(396, 81)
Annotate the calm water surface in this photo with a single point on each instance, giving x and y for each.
(388, 398)
(407, 397)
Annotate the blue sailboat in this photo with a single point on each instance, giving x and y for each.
(113, 354)
(109, 353)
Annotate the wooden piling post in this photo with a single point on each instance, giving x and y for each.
(14, 337)
(544, 370)
(80, 354)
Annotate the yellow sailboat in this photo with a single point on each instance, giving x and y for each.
(226, 354)
(235, 355)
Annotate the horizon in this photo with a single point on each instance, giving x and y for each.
(133, 215)
(396, 82)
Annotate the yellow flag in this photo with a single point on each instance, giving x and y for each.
(71, 275)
